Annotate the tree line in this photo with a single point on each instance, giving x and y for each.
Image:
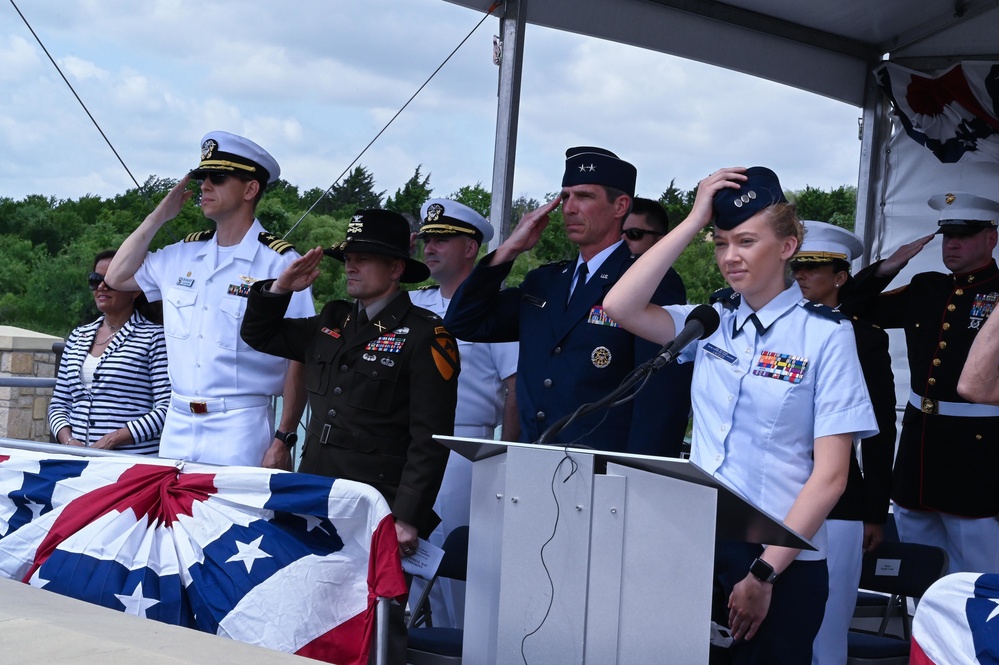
(47, 245)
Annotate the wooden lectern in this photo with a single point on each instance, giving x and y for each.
(586, 556)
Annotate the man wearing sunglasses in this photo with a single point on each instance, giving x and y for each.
(645, 226)
(221, 410)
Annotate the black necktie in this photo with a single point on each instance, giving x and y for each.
(362, 317)
(579, 284)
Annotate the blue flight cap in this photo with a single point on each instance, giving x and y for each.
(586, 165)
(734, 206)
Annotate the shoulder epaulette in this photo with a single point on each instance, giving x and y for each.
(199, 236)
(428, 287)
(825, 311)
(727, 297)
(560, 264)
(272, 241)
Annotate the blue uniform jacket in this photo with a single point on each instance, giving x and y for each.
(576, 356)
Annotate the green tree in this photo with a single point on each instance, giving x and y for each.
(475, 197)
(677, 202)
(837, 206)
(409, 199)
(355, 192)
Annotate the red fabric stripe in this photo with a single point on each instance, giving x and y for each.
(916, 655)
(350, 642)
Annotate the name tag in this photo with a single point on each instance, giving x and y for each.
(720, 353)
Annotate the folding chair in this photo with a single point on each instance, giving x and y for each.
(903, 571)
(430, 645)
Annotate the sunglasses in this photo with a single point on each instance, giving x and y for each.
(215, 178)
(638, 234)
(94, 281)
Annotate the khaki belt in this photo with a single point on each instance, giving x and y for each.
(960, 409)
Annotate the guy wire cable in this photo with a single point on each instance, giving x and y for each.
(489, 12)
(70, 86)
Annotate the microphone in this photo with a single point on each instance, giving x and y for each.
(701, 322)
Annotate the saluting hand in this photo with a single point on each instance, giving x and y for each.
(171, 204)
(527, 233)
(727, 178)
(300, 273)
(900, 258)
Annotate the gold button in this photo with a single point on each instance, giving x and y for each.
(959, 292)
(946, 326)
(917, 325)
(951, 307)
(943, 345)
(936, 362)
(978, 437)
(971, 278)
(931, 381)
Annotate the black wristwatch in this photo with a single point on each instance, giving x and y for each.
(289, 438)
(763, 571)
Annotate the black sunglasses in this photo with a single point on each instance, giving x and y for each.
(215, 178)
(638, 234)
(94, 281)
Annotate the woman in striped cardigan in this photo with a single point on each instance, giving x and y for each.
(112, 391)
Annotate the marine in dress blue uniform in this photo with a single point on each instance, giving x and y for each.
(864, 504)
(948, 453)
(571, 352)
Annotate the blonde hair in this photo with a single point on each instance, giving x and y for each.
(784, 220)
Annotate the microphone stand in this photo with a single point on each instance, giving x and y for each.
(640, 374)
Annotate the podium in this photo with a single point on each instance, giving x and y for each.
(586, 556)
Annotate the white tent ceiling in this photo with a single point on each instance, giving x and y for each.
(826, 47)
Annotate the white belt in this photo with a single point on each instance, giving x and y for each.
(961, 409)
(218, 404)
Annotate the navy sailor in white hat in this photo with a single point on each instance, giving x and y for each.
(221, 409)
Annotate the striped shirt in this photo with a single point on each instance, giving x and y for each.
(131, 387)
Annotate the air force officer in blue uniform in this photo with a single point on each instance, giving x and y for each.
(571, 352)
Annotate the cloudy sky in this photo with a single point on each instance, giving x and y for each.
(314, 81)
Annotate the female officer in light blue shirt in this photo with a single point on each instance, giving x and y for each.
(778, 396)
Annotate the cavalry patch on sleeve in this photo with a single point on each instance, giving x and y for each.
(445, 354)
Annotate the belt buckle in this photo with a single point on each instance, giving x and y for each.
(928, 406)
(199, 407)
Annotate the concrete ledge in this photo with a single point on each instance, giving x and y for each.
(39, 627)
(19, 339)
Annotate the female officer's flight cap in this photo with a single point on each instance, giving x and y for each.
(734, 206)
(586, 165)
(222, 152)
(380, 232)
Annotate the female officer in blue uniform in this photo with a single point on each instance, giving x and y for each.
(778, 397)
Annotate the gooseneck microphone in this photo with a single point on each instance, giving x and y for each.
(701, 322)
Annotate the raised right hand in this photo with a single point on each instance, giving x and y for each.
(901, 257)
(300, 273)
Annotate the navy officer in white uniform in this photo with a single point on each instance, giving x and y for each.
(221, 410)
(778, 397)
(452, 234)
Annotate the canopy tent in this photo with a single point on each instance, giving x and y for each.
(828, 48)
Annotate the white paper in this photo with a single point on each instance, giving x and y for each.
(424, 561)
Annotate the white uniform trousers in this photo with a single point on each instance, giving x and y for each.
(447, 598)
(227, 436)
(972, 544)
(843, 557)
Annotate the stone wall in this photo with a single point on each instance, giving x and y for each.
(24, 353)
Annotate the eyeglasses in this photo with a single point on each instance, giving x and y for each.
(215, 178)
(635, 233)
(94, 281)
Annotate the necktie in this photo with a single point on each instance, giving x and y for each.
(579, 283)
(362, 317)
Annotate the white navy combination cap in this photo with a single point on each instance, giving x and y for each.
(444, 217)
(825, 243)
(222, 152)
(964, 214)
